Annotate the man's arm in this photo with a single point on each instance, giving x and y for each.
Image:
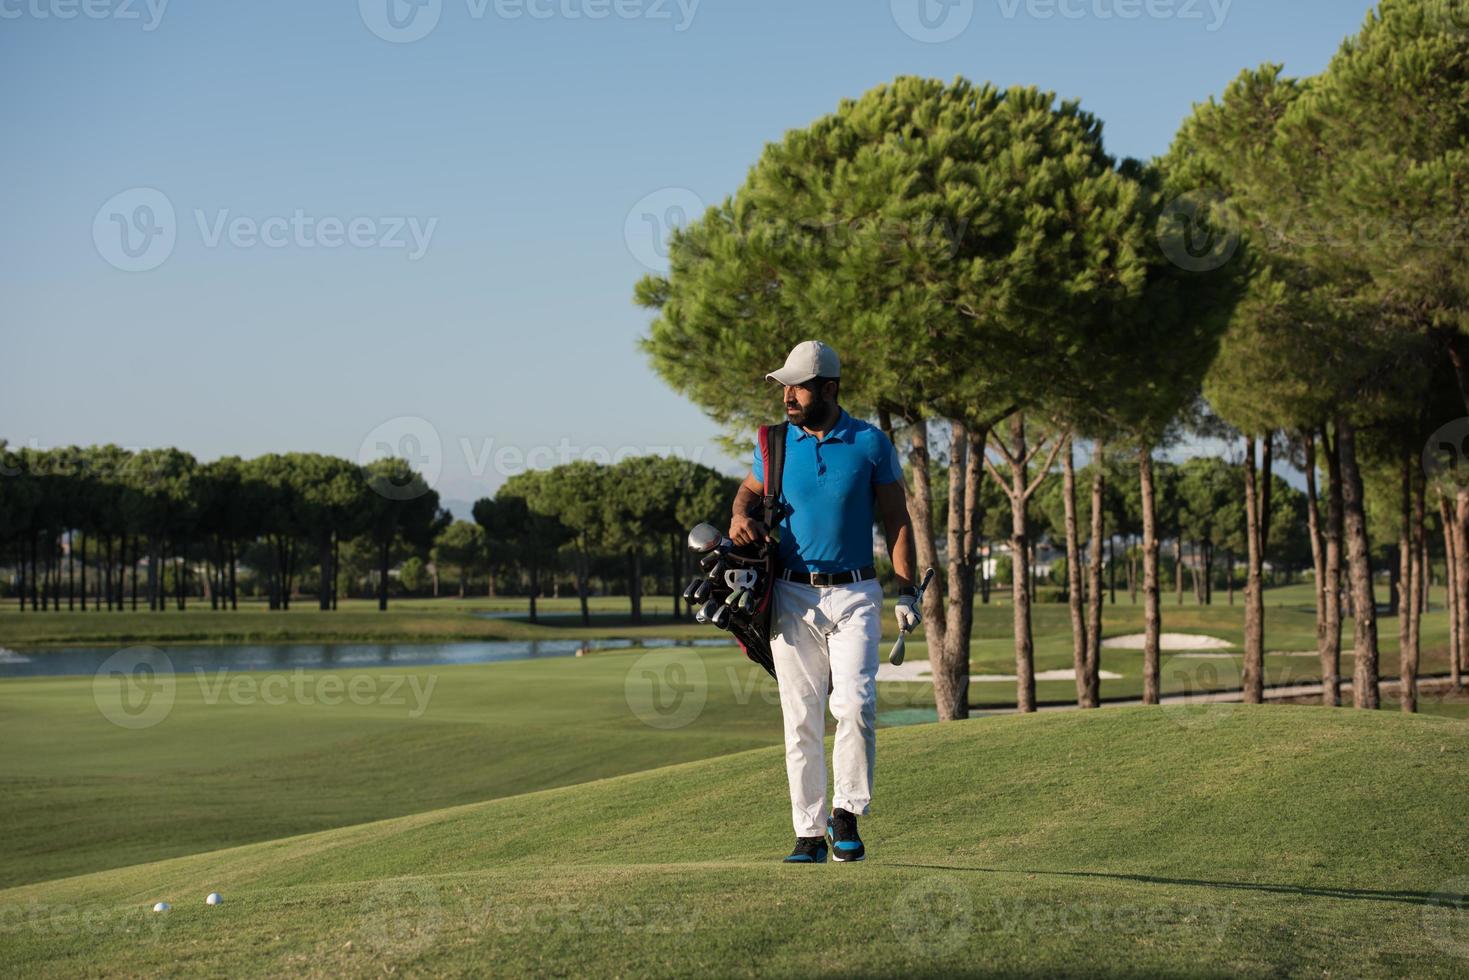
(744, 528)
(892, 502)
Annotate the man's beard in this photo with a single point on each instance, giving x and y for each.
(817, 415)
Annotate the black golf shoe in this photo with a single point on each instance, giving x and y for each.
(841, 830)
(809, 850)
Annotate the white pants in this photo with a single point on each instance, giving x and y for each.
(820, 634)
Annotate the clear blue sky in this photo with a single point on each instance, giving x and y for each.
(530, 139)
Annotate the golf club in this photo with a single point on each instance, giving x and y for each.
(900, 649)
(721, 617)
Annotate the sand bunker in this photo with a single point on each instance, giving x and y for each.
(1168, 641)
(919, 670)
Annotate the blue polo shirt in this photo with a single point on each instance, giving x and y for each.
(828, 487)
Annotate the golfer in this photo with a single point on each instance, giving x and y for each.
(827, 622)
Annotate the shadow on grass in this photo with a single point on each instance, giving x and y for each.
(1403, 897)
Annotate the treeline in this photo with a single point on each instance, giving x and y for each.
(118, 511)
(994, 279)
(79, 525)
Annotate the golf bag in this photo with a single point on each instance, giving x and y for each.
(734, 591)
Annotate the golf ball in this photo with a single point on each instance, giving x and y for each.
(214, 898)
(161, 907)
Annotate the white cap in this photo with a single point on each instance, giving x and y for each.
(808, 359)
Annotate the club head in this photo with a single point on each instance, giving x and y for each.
(721, 617)
(705, 537)
(899, 651)
(693, 587)
(702, 588)
(709, 560)
(733, 599)
(716, 573)
(706, 611)
(748, 601)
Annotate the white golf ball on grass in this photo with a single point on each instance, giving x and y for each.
(161, 907)
(214, 898)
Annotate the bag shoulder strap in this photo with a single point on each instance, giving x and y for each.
(773, 452)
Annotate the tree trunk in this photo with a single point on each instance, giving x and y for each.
(1178, 566)
(1074, 597)
(1407, 598)
(949, 661)
(1094, 591)
(336, 565)
(635, 583)
(382, 574)
(1152, 612)
(1325, 654)
(1458, 521)
(135, 572)
(583, 573)
(1020, 563)
(1451, 587)
(234, 568)
(83, 588)
(1331, 655)
(920, 512)
(1254, 661)
(1365, 692)
(535, 588)
(324, 583)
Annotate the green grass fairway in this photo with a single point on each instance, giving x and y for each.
(228, 764)
(1255, 841)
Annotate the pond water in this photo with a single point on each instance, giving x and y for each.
(65, 661)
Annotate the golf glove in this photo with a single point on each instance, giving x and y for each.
(908, 612)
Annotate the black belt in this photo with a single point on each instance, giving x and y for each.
(824, 580)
